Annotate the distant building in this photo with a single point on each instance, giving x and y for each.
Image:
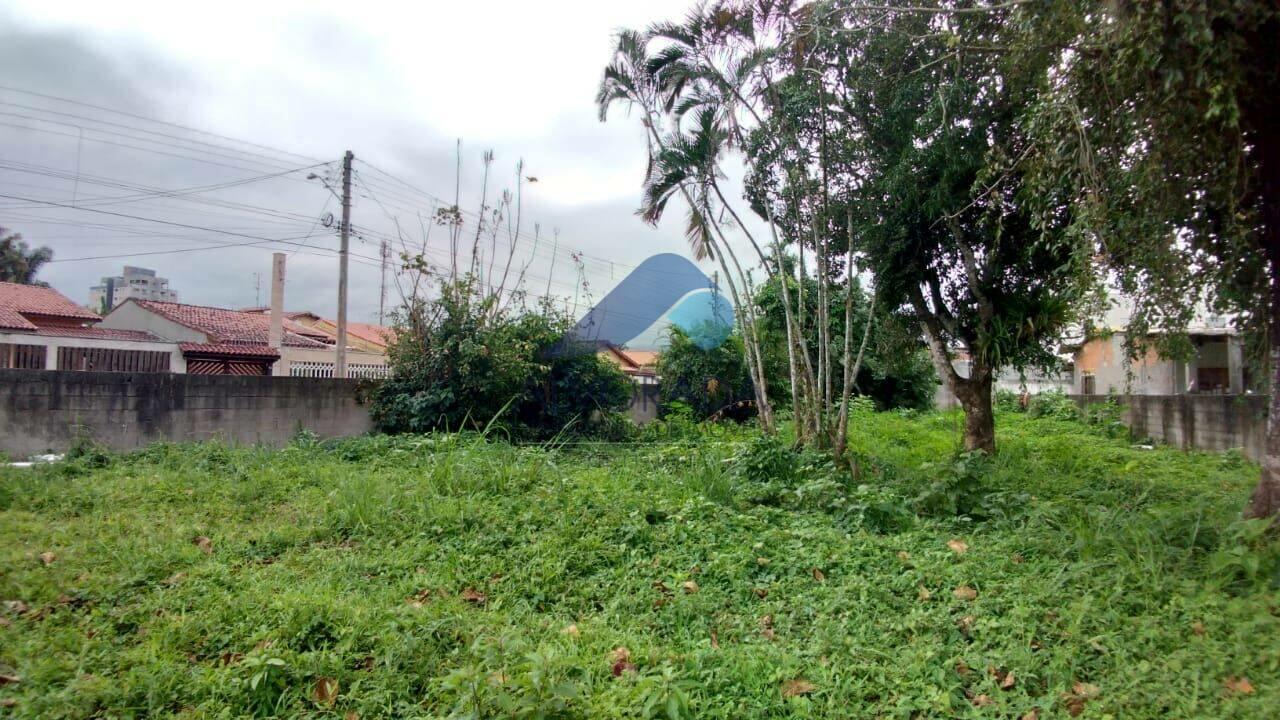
(136, 282)
(42, 329)
(221, 341)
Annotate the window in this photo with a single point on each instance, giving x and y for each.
(1089, 384)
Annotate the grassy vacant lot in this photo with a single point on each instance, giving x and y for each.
(438, 576)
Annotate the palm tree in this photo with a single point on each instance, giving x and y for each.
(19, 262)
(681, 164)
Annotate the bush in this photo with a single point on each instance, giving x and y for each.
(462, 363)
(701, 381)
(1053, 404)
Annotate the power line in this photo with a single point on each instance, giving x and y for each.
(154, 120)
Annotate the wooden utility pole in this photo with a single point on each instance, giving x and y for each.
(340, 364)
(382, 293)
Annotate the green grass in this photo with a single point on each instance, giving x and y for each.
(1093, 562)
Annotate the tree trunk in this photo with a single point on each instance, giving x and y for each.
(974, 394)
(1265, 501)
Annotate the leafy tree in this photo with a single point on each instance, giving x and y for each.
(893, 369)
(19, 262)
(459, 362)
(1165, 117)
(704, 380)
(926, 161)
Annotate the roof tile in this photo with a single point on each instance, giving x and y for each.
(18, 301)
(225, 326)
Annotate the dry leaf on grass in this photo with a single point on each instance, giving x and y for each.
(982, 701)
(174, 579)
(1004, 678)
(230, 658)
(204, 543)
(924, 594)
(966, 624)
(620, 661)
(818, 575)
(766, 627)
(1197, 627)
(8, 702)
(1032, 714)
(964, 592)
(958, 546)
(1081, 693)
(6, 679)
(17, 607)
(962, 667)
(47, 557)
(1017, 558)
(1239, 685)
(474, 596)
(903, 555)
(325, 691)
(572, 630)
(351, 715)
(797, 687)
(661, 587)
(690, 587)
(762, 561)
(761, 593)
(715, 639)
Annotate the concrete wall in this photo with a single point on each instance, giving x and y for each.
(1202, 422)
(644, 403)
(45, 411)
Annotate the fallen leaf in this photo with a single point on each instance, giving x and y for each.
(761, 593)
(8, 702)
(1032, 714)
(264, 644)
(818, 575)
(230, 658)
(966, 624)
(1008, 681)
(622, 666)
(903, 555)
(619, 654)
(474, 596)
(762, 561)
(715, 639)
(17, 607)
(797, 687)
(690, 587)
(1004, 678)
(204, 543)
(964, 592)
(47, 557)
(174, 579)
(766, 627)
(1197, 627)
(1081, 693)
(962, 668)
(661, 587)
(351, 715)
(957, 546)
(4, 622)
(1017, 558)
(325, 691)
(9, 679)
(366, 663)
(1085, 690)
(982, 701)
(924, 594)
(1238, 685)
(572, 630)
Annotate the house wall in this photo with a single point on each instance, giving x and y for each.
(46, 411)
(1104, 358)
(1202, 422)
(130, 316)
(325, 356)
(177, 363)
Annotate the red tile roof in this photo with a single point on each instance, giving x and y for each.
(99, 333)
(225, 326)
(18, 301)
(265, 351)
(370, 333)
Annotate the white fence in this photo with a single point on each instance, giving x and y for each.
(325, 370)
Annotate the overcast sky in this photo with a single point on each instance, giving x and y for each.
(395, 82)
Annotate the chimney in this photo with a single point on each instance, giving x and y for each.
(276, 334)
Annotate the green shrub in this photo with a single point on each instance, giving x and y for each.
(1053, 404)
(462, 362)
(698, 381)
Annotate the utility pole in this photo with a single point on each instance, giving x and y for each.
(340, 364)
(382, 294)
(257, 290)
